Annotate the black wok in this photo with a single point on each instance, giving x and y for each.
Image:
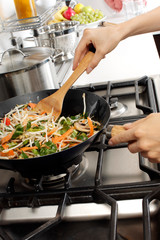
(73, 104)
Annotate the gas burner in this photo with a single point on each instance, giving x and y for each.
(48, 181)
(117, 109)
(56, 181)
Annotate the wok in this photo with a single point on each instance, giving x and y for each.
(73, 104)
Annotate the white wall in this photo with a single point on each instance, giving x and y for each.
(7, 8)
(114, 16)
(99, 4)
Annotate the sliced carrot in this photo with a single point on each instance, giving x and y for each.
(55, 139)
(90, 126)
(32, 116)
(52, 131)
(24, 123)
(73, 144)
(28, 148)
(63, 136)
(32, 105)
(7, 154)
(35, 125)
(63, 145)
(43, 112)
(5, 146)
(7, 138)
(11, 153)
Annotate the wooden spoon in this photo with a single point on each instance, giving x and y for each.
(54, 102)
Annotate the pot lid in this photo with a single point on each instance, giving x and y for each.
(13, 60)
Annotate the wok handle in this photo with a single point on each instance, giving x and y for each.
(113, 130)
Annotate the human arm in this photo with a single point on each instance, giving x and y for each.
(105, 39)
(142, 136)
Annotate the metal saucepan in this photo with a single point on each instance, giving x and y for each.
(27, 70)
(73, 104)
(62, 35)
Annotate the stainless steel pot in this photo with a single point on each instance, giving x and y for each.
(27, 70)
(62, 35)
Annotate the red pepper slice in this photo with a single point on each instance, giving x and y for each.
(7, 121)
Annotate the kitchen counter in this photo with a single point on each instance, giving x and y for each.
(132, 58)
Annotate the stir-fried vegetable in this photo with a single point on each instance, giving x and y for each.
(25, 133)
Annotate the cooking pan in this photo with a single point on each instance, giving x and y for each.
(27, 70)
(96, 107)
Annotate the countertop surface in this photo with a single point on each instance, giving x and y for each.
(132, 58)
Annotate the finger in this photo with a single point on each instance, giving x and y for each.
(157, 160)
(123, 137)
(98, 56)
(80, 52)
(131, 125)
(134, 147)
(83, 53)
(144, 154)
(152, 156)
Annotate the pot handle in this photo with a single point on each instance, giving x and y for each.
(113, 130)
(58, 53)
(11, 50)
(80, 29)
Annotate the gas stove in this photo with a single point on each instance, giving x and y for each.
(110, 193)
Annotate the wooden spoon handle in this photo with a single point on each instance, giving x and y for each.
(77, 72)
(113, 130)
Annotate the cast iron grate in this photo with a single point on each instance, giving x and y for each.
(99, 193)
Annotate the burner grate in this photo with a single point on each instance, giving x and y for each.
(99, 193)
(146, 214)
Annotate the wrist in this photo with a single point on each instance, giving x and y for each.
(144, 23)
(126, 29)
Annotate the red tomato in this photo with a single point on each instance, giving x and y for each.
(7, 122)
